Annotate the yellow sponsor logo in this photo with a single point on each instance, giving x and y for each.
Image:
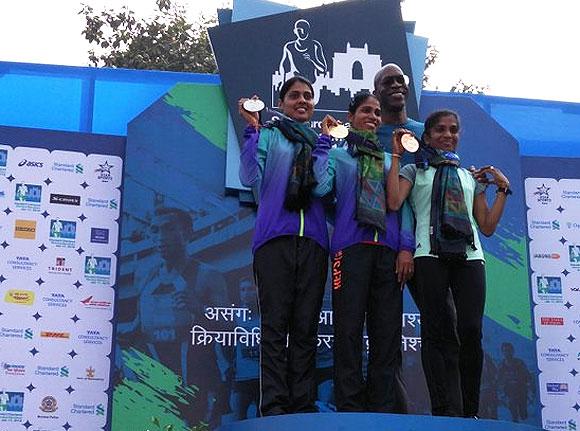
(25, 229)
(20, 297)
(52, 334)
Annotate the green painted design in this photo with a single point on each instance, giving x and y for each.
(156, 392)
(301, 233)
(204, 108)
(508, 293)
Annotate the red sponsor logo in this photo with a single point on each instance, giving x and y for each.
(555, 321)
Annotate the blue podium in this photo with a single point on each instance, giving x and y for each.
(371, 422)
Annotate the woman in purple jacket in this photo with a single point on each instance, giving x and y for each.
(364, 246)
(290, 247)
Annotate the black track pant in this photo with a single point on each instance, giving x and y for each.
(291, 273)
(364, 285)
(452, 368)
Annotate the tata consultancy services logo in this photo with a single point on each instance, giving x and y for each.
(25, 229)
(19, 297)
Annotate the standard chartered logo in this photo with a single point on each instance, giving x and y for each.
(28, 334)
(572, 425)
(64, 371)
(101, 410)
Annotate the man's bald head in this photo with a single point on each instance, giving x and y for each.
(391, 89)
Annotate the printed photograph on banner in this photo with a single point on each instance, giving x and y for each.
(570, 194)
(87, 410)
(28, 197)
(99, 270)
(29, 164)
(554, 321)
(542, 193)
(99, 236)
(558, 355)
(547, 288)
(5, 154)
(573, 256)
(90, 373)
(101, 203)
(545, 224)
(94, 303)
(103, 172)
(11, 405)
(92, 338)
(556, 389)
(547, 255)
(558, 419)
(19, 264)
(62, 265)
(67, 167)
(56, 300)
(62, 233)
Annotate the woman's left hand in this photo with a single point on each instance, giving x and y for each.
(328, 122)
(498, 178)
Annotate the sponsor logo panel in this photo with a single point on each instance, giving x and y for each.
(61, 199)
(63, 233)
(27, 197)
(24, 229)
(541, 193)
(104, 171)
(19, 297)
(547, 289)
(99, 270)
(11, 406)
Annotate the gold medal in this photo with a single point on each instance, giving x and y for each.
(339, 132)
(254, 105)
(409, 143)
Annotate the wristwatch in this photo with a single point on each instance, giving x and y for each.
(505, 190)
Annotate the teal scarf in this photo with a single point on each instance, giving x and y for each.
(450, 227)
(371, 205)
